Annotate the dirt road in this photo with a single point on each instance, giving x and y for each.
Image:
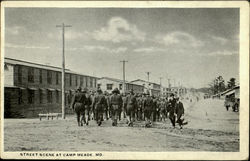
(210, 128)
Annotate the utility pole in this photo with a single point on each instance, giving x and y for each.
(148, 80)
(123, 66)
(160, 86)
(63, 69)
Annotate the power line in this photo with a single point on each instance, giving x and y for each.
(123, 66)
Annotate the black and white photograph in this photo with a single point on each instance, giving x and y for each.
(83, 81)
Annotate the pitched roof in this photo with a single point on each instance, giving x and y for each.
(114, 79)
(144, 81)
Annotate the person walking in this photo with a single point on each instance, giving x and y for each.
(179, 109)
(131, 105)
(98, 105)
(147, 106)
(77, 104)
(115, 105)
(172, 114)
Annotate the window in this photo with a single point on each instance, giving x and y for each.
(57, 96)
(98, 85)
(20, 97)
(19, 74)
(120, 86)
(57, 78)
(76, 79)
(31, 75)
(31, 96)
(70, 80)
(109, 86)
(49, 96)
(40, 96)
(81, 81)
(41, 76)
(49, 77)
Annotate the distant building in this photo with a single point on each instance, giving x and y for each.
(154, 88)
(31, 88)
(109, 84)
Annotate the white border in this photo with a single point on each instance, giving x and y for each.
(244, 75)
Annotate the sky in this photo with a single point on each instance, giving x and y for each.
(188, 46)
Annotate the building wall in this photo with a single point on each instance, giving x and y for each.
(26, 109)
(8, 75)
(103, 85)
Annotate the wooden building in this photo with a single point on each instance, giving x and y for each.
(109, 84)
(31, 88)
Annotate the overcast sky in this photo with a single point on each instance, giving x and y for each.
(192, 46)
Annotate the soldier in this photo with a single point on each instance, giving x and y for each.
(77, 104)
(98, 105)
(131, 106)
(107, 109)
(163, 109)
(124, 105)
(179, 109)
(139, 107)
(116, 105)
(154, 109)
(172, 114)
(87, 106)
(147, 106)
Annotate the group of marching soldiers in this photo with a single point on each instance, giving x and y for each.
(133, 107)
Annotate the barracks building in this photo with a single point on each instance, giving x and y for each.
(31, 88)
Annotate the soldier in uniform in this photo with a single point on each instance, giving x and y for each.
(115, 105)
(131, 106)
(179, 109)
(77, 104)
(98, 105)
(139, 107)
(88, 103)
(147, 106)
(172, 115)
(163, 109)
(107, 109)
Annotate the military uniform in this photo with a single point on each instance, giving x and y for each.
(139, 107)
(163, 109)
(98, 105)
(131, 106)
(87, 108)
(115, 105)
(179, 110)
(147, 106)
(172, 111)
(78, 105)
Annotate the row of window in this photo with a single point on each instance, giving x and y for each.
(92, 81)
(49, 98)
(110, 86)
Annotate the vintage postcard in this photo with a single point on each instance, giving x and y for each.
(163, 80)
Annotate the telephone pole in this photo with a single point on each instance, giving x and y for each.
(123, 66)
(63, 69)
(160, 86)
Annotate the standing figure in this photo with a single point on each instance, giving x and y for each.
(98, 105)
(139, 107)
(131, 105)
(147, 106)
(88, 103)
(179, 109)
(171, 105)
(107, 109)
(115, 105)
(77, 104)
(163, 110)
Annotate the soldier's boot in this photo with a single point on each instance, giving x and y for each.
(87, 120)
